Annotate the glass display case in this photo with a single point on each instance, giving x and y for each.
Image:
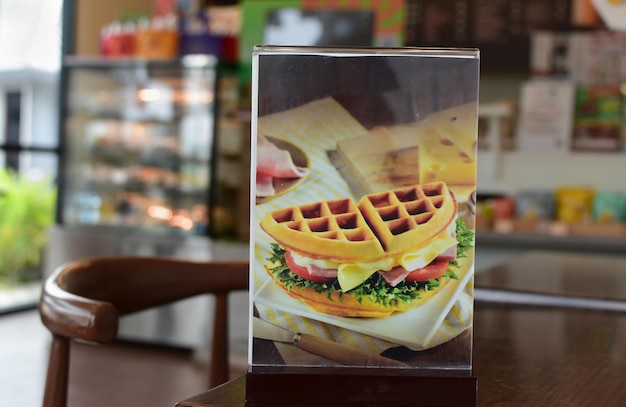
(138, 144)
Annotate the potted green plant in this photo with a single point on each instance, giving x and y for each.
(27, 207)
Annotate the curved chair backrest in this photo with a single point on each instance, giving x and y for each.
(84, 300)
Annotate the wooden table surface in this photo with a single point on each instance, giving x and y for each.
(574, 275)
(533, 355)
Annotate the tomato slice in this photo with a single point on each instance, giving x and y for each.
(303, 272)
(435, 269)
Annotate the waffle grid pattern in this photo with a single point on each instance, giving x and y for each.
(336, 228)
(416, 210)
(334, 220)
(341, 229)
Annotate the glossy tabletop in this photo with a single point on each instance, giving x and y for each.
(531, 355)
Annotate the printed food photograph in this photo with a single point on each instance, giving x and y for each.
(363, 214)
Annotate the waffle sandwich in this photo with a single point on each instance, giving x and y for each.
(389, 252)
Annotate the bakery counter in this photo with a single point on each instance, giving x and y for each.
(493, 248)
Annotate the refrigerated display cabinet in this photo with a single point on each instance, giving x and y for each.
(138, 144)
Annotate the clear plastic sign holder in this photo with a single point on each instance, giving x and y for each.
(363, 199)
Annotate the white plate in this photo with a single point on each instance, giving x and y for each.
(414, 328)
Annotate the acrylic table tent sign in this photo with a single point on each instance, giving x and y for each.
(362, 225)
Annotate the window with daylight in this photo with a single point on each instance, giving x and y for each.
(30, 45)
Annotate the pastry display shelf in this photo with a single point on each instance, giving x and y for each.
(610, 245)
(170, 189)
(510, 172)
(105, 115)
(148, 156)
(189, 61)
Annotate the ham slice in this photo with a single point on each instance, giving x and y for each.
(264, 185)
(321, 272)
(271, 163)
(275, 162)
(448, 254)
(395, 276)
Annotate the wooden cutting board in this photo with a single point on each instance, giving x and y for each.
(388, 157)
(384, 158)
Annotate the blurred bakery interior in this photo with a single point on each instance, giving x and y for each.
(126, 123)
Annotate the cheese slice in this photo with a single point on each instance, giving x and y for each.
(423, 257)
(351, 275)
(442, 160)
(464, 140)
(459, 124)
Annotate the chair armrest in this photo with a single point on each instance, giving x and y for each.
(72, 316)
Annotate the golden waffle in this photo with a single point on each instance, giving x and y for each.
(331, 229)
(382, 224)
(407, 218)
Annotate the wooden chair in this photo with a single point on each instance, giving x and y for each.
(84, 300)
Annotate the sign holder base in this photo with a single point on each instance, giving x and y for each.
(301, 389)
